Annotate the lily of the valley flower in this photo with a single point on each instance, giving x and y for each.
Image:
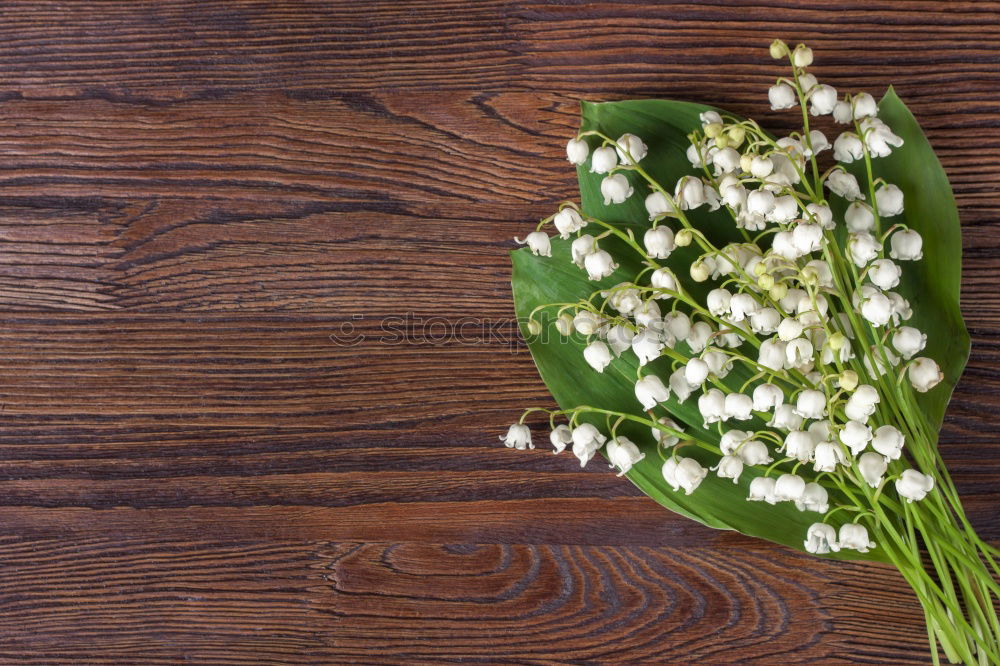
(821, 539)
(587, 439)
(914, 486)
(855, 537)
(577, 151)
(615, 189)
(561, 437)
(686, 473)
(538, 243)
(623, 454)
(650, 391)
(597, 355)
(518, 437)
(924, 374)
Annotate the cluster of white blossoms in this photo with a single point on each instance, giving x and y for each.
(805, 302)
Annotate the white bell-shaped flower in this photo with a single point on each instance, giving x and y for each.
(518, 437)
(619, 338)
(855, 435)
(872, 467)
(789, 488)
(814, 498)
(729, 467)
(906, 245)
(785, 417)
(647, 346)
(767, 397)
(880, 367)
(762, 490)
(807, 237)
(663, 278)
(588, 323)
(855, 537)
(765, 321)
(623, 297)
(783, 244)
(771, 354)
(686, 473)
(760, 202)
(657, 204)
(599, 265)
(697, 339)
(577, 151)
(725, 160)
(884, 273)
(742, 306)
(587, 439)
(754, 452)
(889, 200)
(877, 309)
(647, 315)
(615, 189)
(718, 301)
(862, 403)
(623, 454)
(603, 160)
(822, 215)
(824, 274)
(785, 210)
(712, 405)
(568, 221)
(731, 440)
(819, 431)
(807, 81)
(822, 99)
(581, 247)
(799, 445)
(844, 184)
(798, 352)
(817, 143)
(689, 193)
(827, 456)
(538, 243)
(664, 438)
(901, 310)
(782, 96)
(888, 441)
(760, 167)
(863, 248)
(842, 112)
(679, 385)
(811, 404)
(859, 218)
(847, 148)
(650, 391)
(908, 341)
(924, 374)
(561, 437)
(659, 242)
(629, 145)
(739, 407)
(821, 539)
(719, 363)
(864, 106)
(879, 138)
(597, 355)
(677, 324)
(914, 486)
(789, 329)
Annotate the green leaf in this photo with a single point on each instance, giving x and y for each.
(932, 285)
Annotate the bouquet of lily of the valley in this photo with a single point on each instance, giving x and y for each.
(763, 332)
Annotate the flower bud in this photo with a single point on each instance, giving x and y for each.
(778, 49)
(848, 379)
(534, 328)
(765, 281)
(778, 291)
(699, 271)
(577, 151)
(924, 374)
(683, 238)
(564, 324)
(802, 56)
(736, 135)
(561, 437)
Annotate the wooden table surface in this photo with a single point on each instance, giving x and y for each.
(199, 197)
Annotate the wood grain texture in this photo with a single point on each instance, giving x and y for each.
(199, 198)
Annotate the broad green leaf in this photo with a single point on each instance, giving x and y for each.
(664, 126)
